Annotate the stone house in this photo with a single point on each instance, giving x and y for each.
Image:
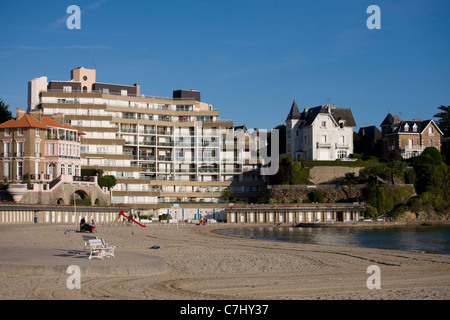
(409, 137)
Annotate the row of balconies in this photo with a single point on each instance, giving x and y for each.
(35, 155)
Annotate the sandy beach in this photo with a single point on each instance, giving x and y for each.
(202, 265)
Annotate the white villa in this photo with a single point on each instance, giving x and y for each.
(319, 133)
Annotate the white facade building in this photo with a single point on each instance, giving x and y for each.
(319, 133)
(161, 150)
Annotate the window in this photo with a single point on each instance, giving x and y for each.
(7, 170)
(37, 131)
(63, 169)
(341, 154)
(207, 156)
(7, 149)
(430, 131)
(19, 170)
(323, 124)
(51, 149)
(7, 131)
(67, 89)
(77, 170)
(431, 143)
(406, 127)
(37, 150)
(415, 127)
(20, 131)
(124, 92)
(19, 149)
(51, 170)
(69, 169)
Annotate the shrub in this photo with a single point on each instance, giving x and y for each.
(316, 196)
(371, 212)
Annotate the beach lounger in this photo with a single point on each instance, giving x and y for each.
(100, 250)
(86, 241)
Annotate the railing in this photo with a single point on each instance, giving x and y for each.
(118, 94)
(54, 182)
(144, 158)
(165, 144)
(323, 145)
(83, 179)
(44, 177)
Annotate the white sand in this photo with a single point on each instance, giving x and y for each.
(203, 265)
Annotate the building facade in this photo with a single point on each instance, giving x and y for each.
(38, 147)
(161, 150)
(408, 137)
(319, 133)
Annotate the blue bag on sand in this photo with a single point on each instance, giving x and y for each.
(155, 247)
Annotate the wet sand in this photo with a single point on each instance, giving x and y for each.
(202, 265)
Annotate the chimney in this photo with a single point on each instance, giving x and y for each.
(138, 89)
(59, 117)
(19, 113)
(36, 114)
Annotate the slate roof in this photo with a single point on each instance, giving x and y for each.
(309, 115)
(421, 125)
(388, 120)
(294, 113)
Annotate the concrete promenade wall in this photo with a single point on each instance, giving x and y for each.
(61, 215)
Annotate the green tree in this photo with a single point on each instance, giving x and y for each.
(107, 181)
(443, 119)
(350, 180)
(5, 114)
(227, 194)
(316, 196)
(299, 174)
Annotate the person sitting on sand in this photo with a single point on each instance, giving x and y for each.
(92, 225)
(84, 226)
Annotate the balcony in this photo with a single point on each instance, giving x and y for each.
(165, 144)
(323, 145)
(211, 170)
(147, 143)
(144, 158)
(411, 151)
(342, 146)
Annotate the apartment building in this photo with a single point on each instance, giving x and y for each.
(319, 133)
(44, 147)
(162, 150)
(409, 137)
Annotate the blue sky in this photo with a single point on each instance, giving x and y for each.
(248, 58)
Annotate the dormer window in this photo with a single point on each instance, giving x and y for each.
(415, 127)
(406, 127)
